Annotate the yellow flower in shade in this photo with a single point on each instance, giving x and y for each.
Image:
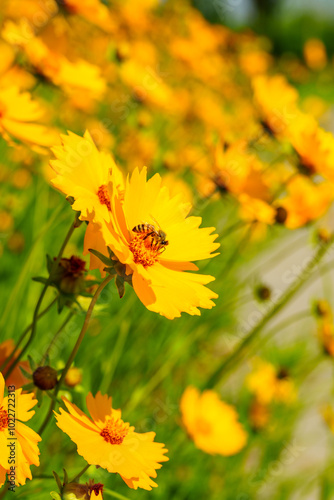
(315, 54)
(305, 201)
(258, 213)
(314, 146)
(276, 101)
(16, 377)
(24, 447)
(268, 384)
(109, 442)
(212, 424)
(93, 11)
(19, 115)
(85, 173)
(238, 171)
(157, 270)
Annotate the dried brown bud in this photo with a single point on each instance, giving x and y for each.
(45, 378)
(281, 215)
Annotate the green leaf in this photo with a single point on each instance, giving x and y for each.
(32, 363)
(58, 481)
(103, 258)
(65, 476)
(120, 286)
(25, 372)
(55, 495)
(40, 279)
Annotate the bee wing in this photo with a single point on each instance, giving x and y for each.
(155, 221)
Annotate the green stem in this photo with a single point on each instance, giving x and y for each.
(74, 225)
(114, 494)
(61, 328)
(235, 357)
(75, 349)
(78, 476)
(25, 332)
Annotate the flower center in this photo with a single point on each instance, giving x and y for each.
(2, 109)
(103, 195)
(202, 426)
(115, 431)
(144, 252)
(3, 418)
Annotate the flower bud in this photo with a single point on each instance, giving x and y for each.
(281, 215)
(45, 378)
(263, 292)
(73, 377)
(75, 491)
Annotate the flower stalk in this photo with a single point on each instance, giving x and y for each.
(236, 356)
(75, 350)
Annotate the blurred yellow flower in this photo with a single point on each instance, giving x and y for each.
(16, 377)
(315, 54)
(269, 385)
(305, 201)
(107, 441)
(24, 448)
(19, 117)
(212, 424)
(276, 101)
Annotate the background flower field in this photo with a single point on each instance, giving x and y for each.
(236, 116)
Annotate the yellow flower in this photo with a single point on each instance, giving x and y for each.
(315, 54)
(276, 101)
(19, 115)
(109, 442)
(85, 174)
(16, 377)
(305, 201)
(93, 11)
(212, 424)
(268, 384)
(314, 146)
(24, 448)
(157, 270)
(237, 171)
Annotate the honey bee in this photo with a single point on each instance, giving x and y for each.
(158, 236)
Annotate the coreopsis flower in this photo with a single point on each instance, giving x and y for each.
(16, 378)
(212, 424)
(19, 117)
(22, 451)
(257, 212)
(315, 54)
(276, 101)
(85, 173)
(314, 146)
(93, 11)
(147, 230)
(238, 171)
(109, 442)
(269, 384)
(305, 201)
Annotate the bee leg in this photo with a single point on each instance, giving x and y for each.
(148, 234)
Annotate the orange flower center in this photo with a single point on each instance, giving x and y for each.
(3, 418)
(144, 251)
(103, 195)
(2, 109)
(202, 426)
(115, 431)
